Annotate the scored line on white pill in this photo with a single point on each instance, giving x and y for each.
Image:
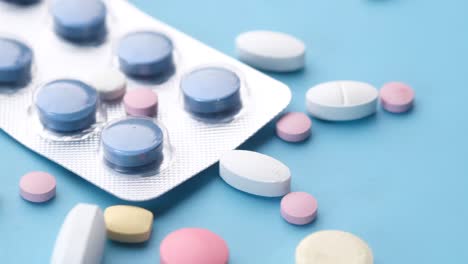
(344, 99)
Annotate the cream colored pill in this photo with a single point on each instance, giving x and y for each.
(128, 224)
(333, 247)
(110, 84)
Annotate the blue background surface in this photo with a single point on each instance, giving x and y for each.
(398, 181)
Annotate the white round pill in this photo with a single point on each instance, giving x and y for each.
(272, 51)
(110, 84)
(333, 247)
(342, 100)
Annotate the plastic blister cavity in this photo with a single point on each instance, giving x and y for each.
(16, 63)
(193, 145)
(136, 146)
(214, 93)
(80, 21)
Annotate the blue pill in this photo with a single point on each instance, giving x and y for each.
(80, 20)
(132, 142)
(15, 62)
(211, 91)
(22, 2)
(145, 54)
(66, 105)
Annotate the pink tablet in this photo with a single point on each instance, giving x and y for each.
(396, 97)
(37, 187)
(141, 102)
(194, 246)
(293, 127)
(299, 208)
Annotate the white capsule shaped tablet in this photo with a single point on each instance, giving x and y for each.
(272, 51)
(82, 236)
(255, 173)
(333, 247)
(342, 100)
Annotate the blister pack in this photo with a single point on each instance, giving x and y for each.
(123, 100)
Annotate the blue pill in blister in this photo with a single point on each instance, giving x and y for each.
(145, 54)
(15, 61)
(211, 91)
(22, 2)
(66, 105)
(132, 142)
(80, 20)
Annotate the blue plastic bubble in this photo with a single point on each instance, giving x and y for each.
(132, 142)
(66, 105)
(145, 54)
(15, 62)
(211, 91)
(80, 20)
(22, 2)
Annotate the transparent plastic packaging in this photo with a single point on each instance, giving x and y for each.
(189, 143)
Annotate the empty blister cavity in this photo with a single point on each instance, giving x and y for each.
(79, 20)
(145, 54)
(66, 105)
(133, 145)
(15, 62)
(212, 93)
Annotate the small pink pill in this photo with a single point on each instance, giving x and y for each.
(299, 208)
(141, 102)
(293, 127)
(194, 246)
(396, 97)
(37, 187)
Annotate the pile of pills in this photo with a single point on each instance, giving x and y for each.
(136, 142)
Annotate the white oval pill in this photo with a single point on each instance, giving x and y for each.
(82, 236)
(255, 173)
(110, 84)
(342, 100)
(272, 51)
(333, 247)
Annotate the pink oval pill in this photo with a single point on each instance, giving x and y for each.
(141, 102)
(396, 97)
(299, 208)
(293, 127)
(194, 246)
(37, 187)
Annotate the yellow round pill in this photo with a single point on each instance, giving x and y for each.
(128, 224)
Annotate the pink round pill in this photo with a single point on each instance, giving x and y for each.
(396, 97)
(299, 208)
(293, 127)
(194, 246)
(141, 102)
(37, 187)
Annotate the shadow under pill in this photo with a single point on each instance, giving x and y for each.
(362, 122)
(260, 138)
(181, 193)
